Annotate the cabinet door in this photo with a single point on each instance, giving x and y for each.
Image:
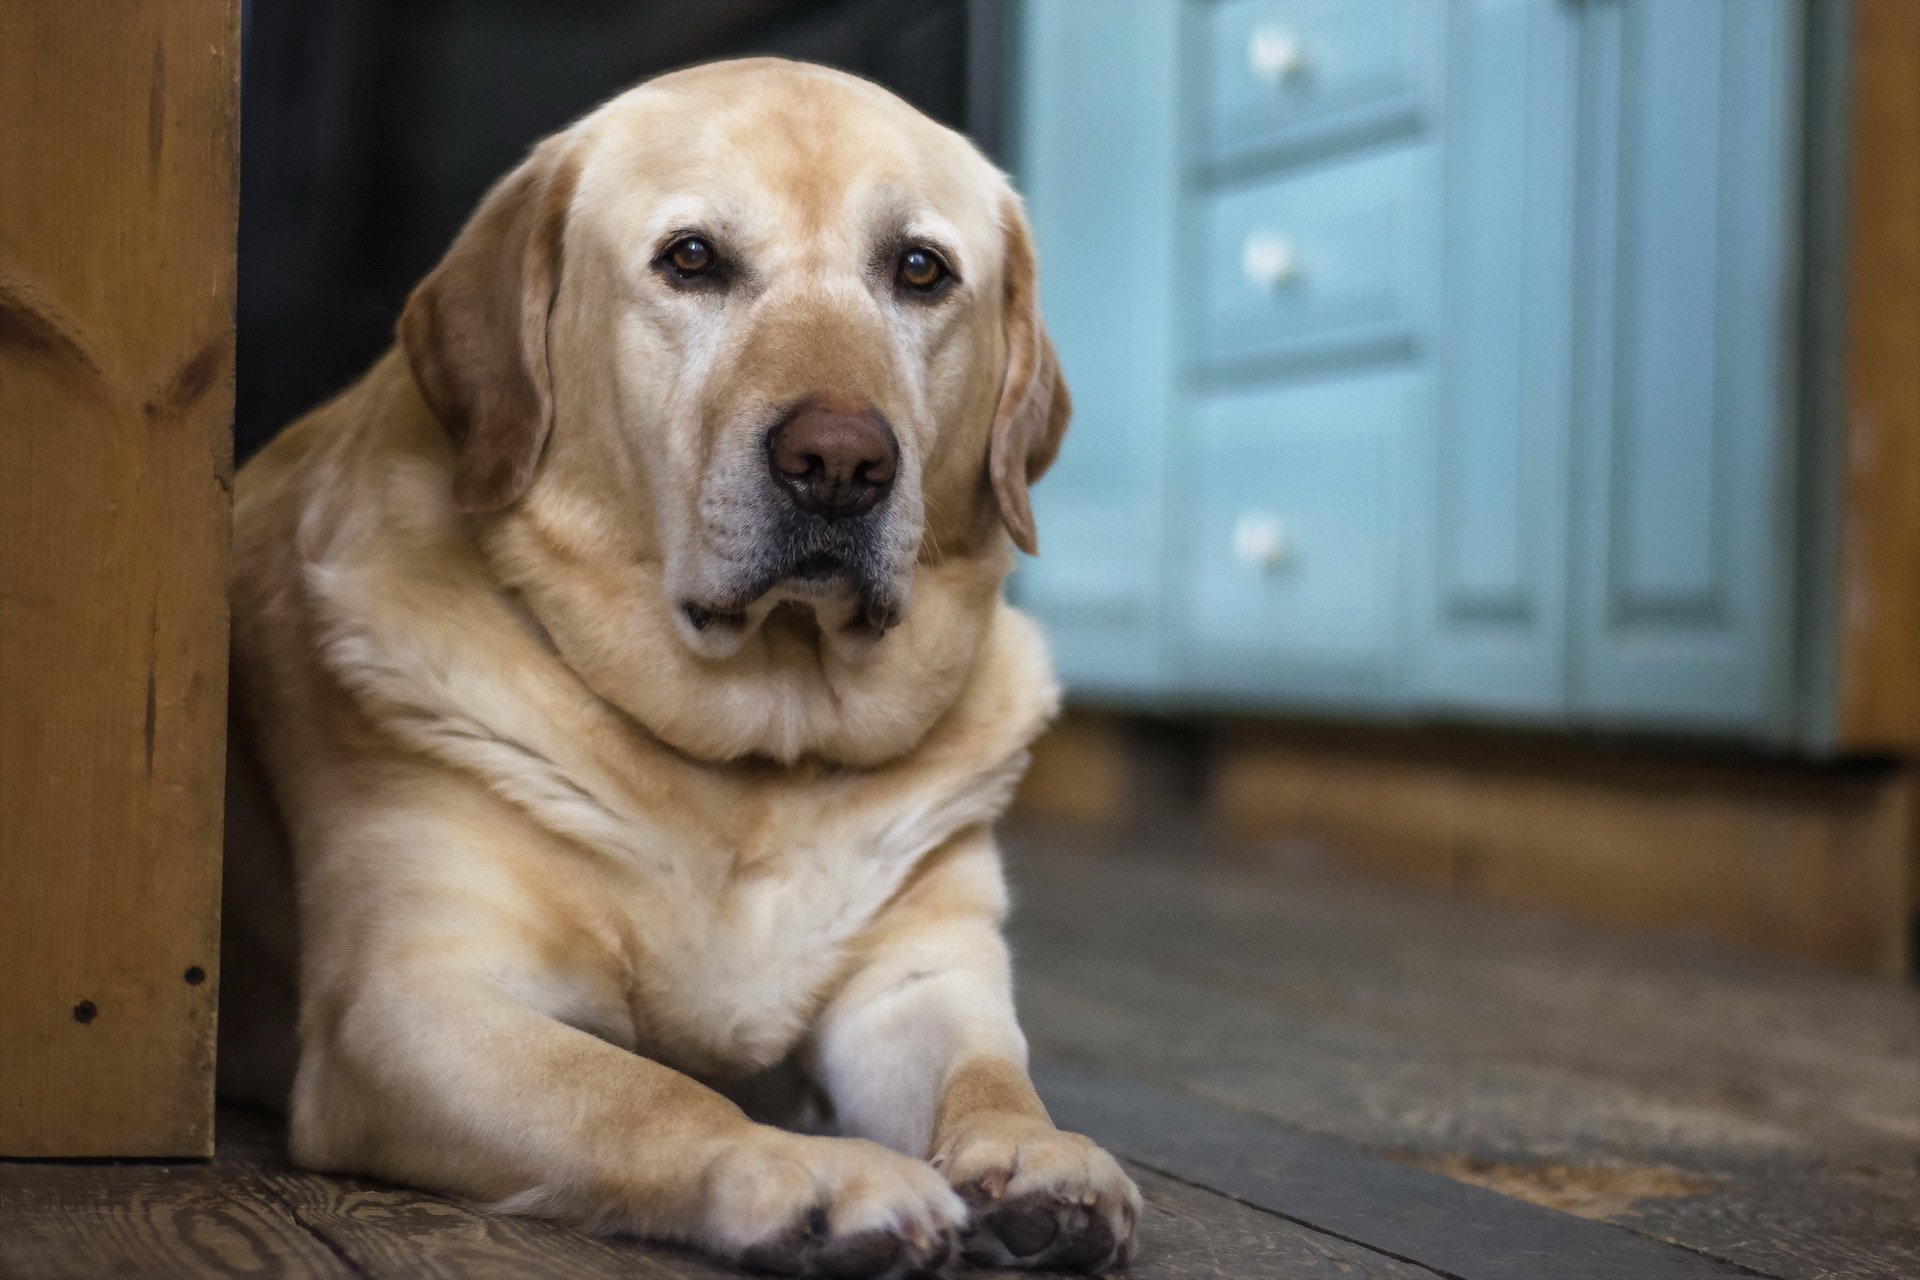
(1489, 506)
(1290, 576)
(1684, 360)
(1095, 137)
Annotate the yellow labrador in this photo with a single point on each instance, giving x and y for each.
(622, 667)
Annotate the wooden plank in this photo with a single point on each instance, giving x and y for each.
(1879, 678)
(250, 1215)
(1446, 1226)
(387, 1231)
(1192, 1233)
(1187, 1232)
(1340, 1053)
(1804, 860)
(1762, 1112)
(117, 138)
(392, 1232)
(82, 1222)
(1655, 1048)
(1848, 1223)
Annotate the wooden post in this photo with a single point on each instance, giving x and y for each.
(118, 149)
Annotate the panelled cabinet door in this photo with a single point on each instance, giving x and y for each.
(1683, 539)
(1489, 528)
(1095, 153)
(1289, 571)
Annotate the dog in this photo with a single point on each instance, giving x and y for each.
(624, 698)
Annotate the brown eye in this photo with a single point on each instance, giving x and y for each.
(690, 256)
(921, 269)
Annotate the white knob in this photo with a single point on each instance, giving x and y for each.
(1275, 56)
(1262, 541)
(1269, 262)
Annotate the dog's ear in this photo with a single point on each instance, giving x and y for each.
(475, 330)
(1034, 405)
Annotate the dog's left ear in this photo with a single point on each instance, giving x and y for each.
(475, 330)
(1034, 405)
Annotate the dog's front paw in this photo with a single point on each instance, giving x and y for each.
(1040, 1197)
(830, 1207)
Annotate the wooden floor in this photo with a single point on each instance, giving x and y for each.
(1309, 1076)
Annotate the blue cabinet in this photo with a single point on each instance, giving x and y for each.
(1684, 369)
(1431, 359)
(1291, 559)
(1489, 569)
(1087, 146)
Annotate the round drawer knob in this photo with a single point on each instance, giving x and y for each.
(1269, 262)
(1262, 542)
(1275, 56)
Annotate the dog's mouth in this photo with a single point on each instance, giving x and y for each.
(703, 618)
(845, 579)
(818, 566)
(869, 619)
(839, 587)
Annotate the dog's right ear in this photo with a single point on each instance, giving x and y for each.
(475, 330)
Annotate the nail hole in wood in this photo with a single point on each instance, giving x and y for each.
(196, 975)
(84, 1012)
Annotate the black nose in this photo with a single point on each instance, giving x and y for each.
(834, 455)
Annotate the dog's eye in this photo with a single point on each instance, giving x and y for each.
(921, 269)
(690, 257)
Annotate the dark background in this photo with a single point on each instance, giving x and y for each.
(370, 128)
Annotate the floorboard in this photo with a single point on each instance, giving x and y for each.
(1765, 1113)
(1190, 1232)
(251, 1214)
(63, 1221)
(1310, 1076)
(1449, 1227)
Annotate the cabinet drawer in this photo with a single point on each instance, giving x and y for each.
(1316, 263)
(1292, 550)
(1309, 73)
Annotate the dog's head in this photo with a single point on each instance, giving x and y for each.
(758, 333)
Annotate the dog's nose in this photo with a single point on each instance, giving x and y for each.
(835, 455)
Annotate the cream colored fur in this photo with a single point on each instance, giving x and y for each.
(557, 871)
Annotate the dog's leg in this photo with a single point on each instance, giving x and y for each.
(443, 1080)
(437, 1050)
(921, 1050)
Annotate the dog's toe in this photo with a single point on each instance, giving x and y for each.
(851, 1210)
(1044, 1199)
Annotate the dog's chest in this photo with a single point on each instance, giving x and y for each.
(738, 948)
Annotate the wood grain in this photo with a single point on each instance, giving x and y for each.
(1763, 1112)
(82, 1222)
(1809, 861)
(249, 1214)
(1190, 1232)
(393, 1232)
(1879, 677)
(117, 138)
(1857, 1223)
(1448, 1227)
(384, 1230)
(1288, 1055)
